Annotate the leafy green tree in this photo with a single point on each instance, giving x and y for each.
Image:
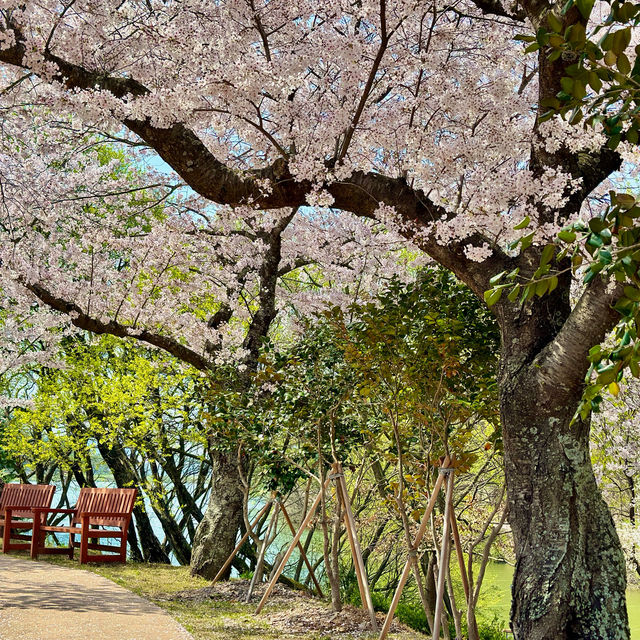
(125, 414)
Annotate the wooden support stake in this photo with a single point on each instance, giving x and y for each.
(424, 523)
(356, 551)
(263, 550)
(292, 546)
(442, 569)
(456, 540)
(302, 551)
(229, 560)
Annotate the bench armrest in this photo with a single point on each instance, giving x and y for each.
(7, 511)
(18, 507)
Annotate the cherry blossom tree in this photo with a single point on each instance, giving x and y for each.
(127, 252)
(420, 114)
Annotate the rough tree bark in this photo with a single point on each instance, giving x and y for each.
(570, 575)
(216, 534)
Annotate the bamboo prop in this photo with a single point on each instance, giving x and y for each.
(263, 550)
(302, 551)
(459, 554)
(442, 569)
(230, 559)
(356, 552)
(424, 523)
(292, 546)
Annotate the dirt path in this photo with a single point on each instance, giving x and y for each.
(41, 601)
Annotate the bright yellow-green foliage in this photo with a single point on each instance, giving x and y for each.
(110, 391)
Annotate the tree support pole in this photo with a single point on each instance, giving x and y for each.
(444, 555)
(424, 523)
(337, 476)
(356, 552)
(230, 559)
(292, 546)
(263, 550)
(302, 551)
(459, 554)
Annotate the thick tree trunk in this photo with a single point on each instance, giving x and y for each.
(570, 573)
(216, 534)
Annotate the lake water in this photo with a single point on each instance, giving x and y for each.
(495, 598)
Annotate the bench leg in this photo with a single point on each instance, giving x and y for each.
(123, 546)
(72, 541)
(36, 538)
(84, 541)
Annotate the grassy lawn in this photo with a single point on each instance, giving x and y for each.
(208, 616)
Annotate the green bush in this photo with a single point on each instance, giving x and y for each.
(411, 613)
(492, 630)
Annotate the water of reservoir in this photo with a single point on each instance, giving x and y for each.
(496, 597)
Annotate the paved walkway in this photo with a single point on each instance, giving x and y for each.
(41, 601)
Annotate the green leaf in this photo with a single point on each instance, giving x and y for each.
(523, 224)
(554, 22)
(632, 293)
(585, 7)
(527, 240)
(608, 374)
(547, 253)
(605, 256)
(497, 278)
(621, 40)
(513, 294)
(594, 241)
(624, 200)
(614, 141)
(566, 235)
(576, 116)
(567, 85)
(491, 296)
(541, 287)
(542, 36)
(610, 58)
(623, 64)
(589, 276)
(555, 55)
(594, 81)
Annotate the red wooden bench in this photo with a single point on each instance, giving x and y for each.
(95, 508)
(16, 502)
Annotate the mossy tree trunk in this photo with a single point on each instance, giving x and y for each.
(570, 574)
(216, 534)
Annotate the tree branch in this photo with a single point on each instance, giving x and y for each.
(496, 8)
(563, 362)
(83, 321)
(361, 194)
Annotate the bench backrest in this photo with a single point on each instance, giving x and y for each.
(25, 495)
(119, 501)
